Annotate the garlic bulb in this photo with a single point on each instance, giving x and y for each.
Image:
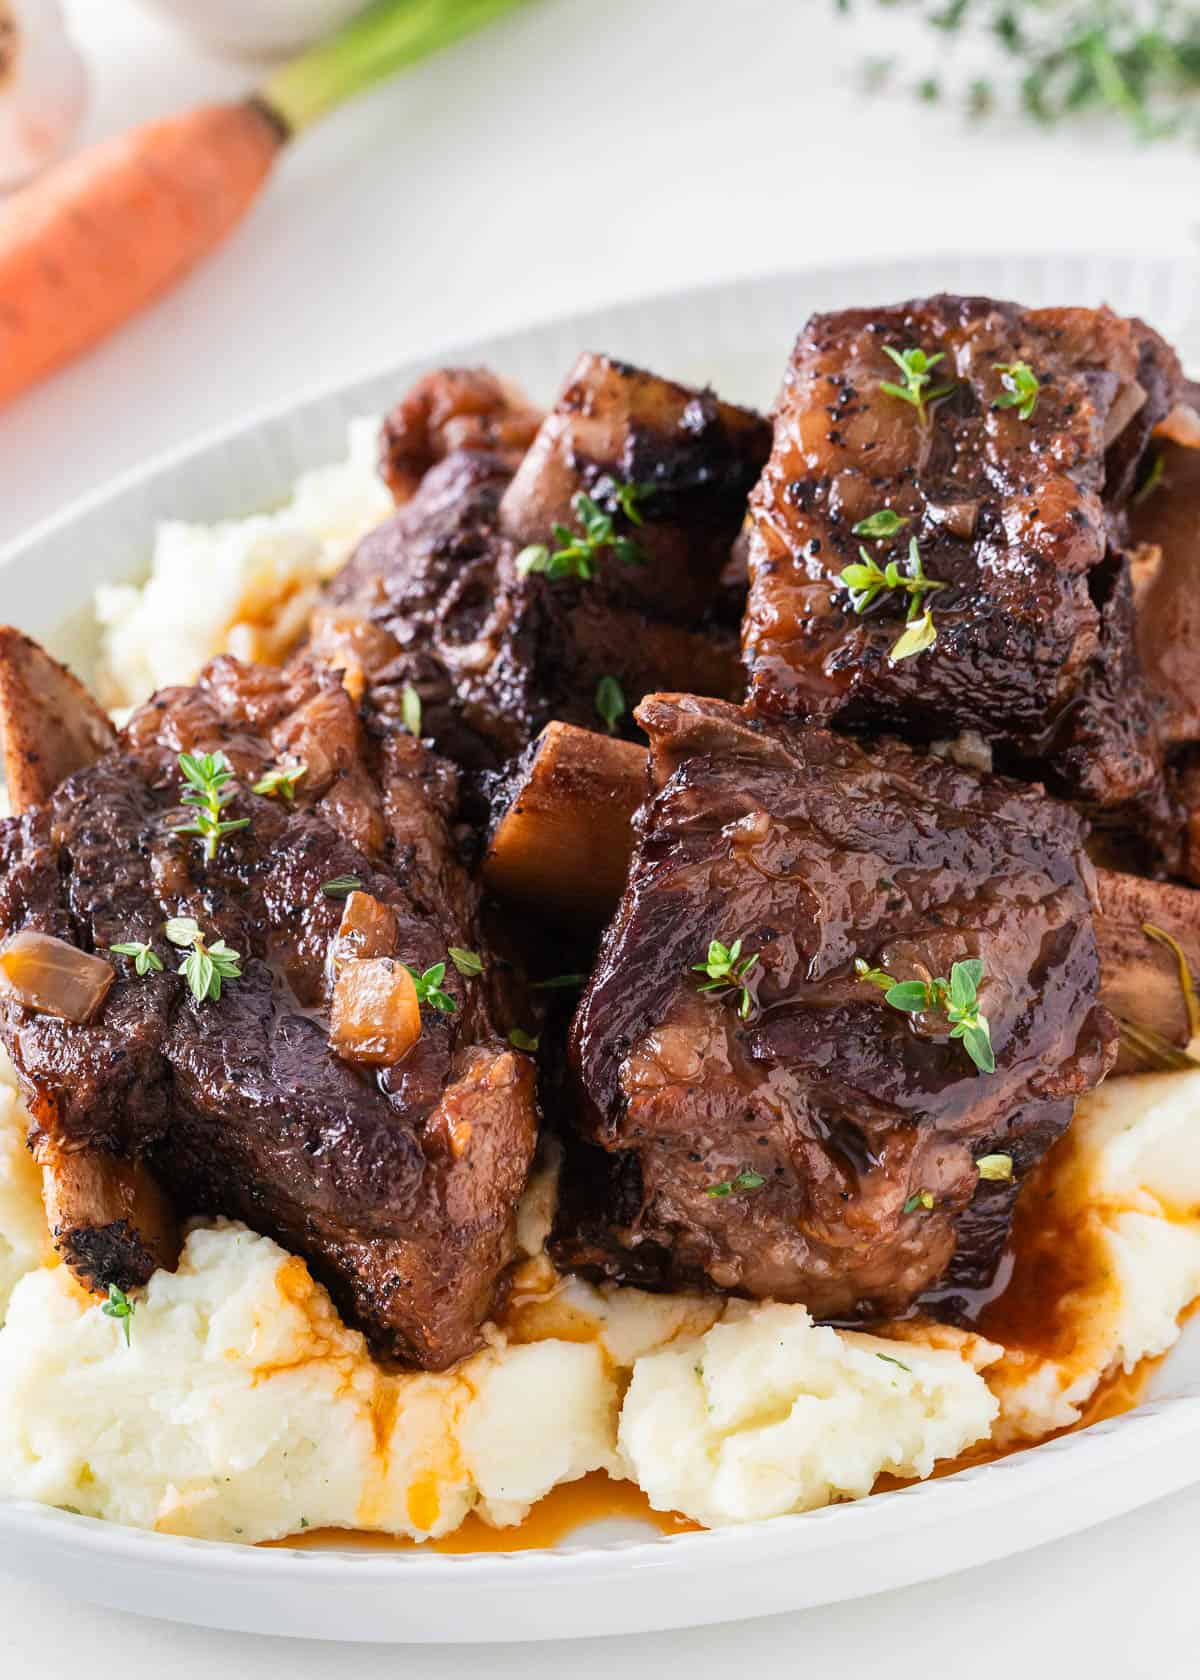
(43, 88)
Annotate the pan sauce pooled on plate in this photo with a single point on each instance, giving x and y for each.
(304, 980)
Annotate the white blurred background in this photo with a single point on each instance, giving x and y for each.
(578, 152)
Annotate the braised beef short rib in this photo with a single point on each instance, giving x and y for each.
(438, 599)
(1018, 511)
(823, 1149)
(398, 1183)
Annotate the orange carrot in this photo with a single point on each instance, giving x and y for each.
(89, 244)
(95, 240)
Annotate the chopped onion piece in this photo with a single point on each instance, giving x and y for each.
(376, 1018)
(367, 929)
(53, 978)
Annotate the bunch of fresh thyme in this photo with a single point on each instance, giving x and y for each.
(1137, 59)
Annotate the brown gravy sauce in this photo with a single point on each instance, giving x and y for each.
(1053, 1253)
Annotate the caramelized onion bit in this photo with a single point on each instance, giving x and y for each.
(53, 978)
(367, 929)
(956, 517)
(376, 1018)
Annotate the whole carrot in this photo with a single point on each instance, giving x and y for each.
(92, 242)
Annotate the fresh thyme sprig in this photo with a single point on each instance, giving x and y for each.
(576, 552)
(956, 998)
(206, 966)
(468, 963)
(429, 988)
(410, 710)
(280, 781)
(145, 958)
(120, 1307)
(341, 886)
(1138, 60)
(885, 523)
(1021, 387)
(916, 369)
(610, 703)
(727, 969)
(208, 787)
(867, 581)
(745, 1180)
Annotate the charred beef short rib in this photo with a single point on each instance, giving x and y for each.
(503, 599)
(805, 1140)
(393, 1165)
(1014, 495)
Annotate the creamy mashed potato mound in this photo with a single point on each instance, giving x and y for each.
(768, 1412)
(24, 1240)
(244, 1409)
(243, 586)
(1126, 1199)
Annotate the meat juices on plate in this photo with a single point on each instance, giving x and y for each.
(442, 598)
(395, 1176)
(804, 1140)
(1014, 494)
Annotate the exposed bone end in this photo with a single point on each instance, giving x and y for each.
(563, 841)
(109, 1221)
(50, 724)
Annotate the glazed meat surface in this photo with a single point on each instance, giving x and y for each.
(822, 1148)
(440, 599)
(396, 1180)
(1018, 516)
(453, 409)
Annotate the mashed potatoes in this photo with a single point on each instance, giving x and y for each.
(24, 1242)
(243, 1408)
(1122, 1195)
(768, 1412)
(244, 586)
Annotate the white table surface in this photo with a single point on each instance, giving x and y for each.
(582, 153)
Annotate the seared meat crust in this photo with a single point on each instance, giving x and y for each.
(815, 853)
(435, 598)
(1020, 519)
(399, 1183)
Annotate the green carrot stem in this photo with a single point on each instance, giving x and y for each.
(383, 38)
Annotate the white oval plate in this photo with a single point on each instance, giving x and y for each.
(605, 1579)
